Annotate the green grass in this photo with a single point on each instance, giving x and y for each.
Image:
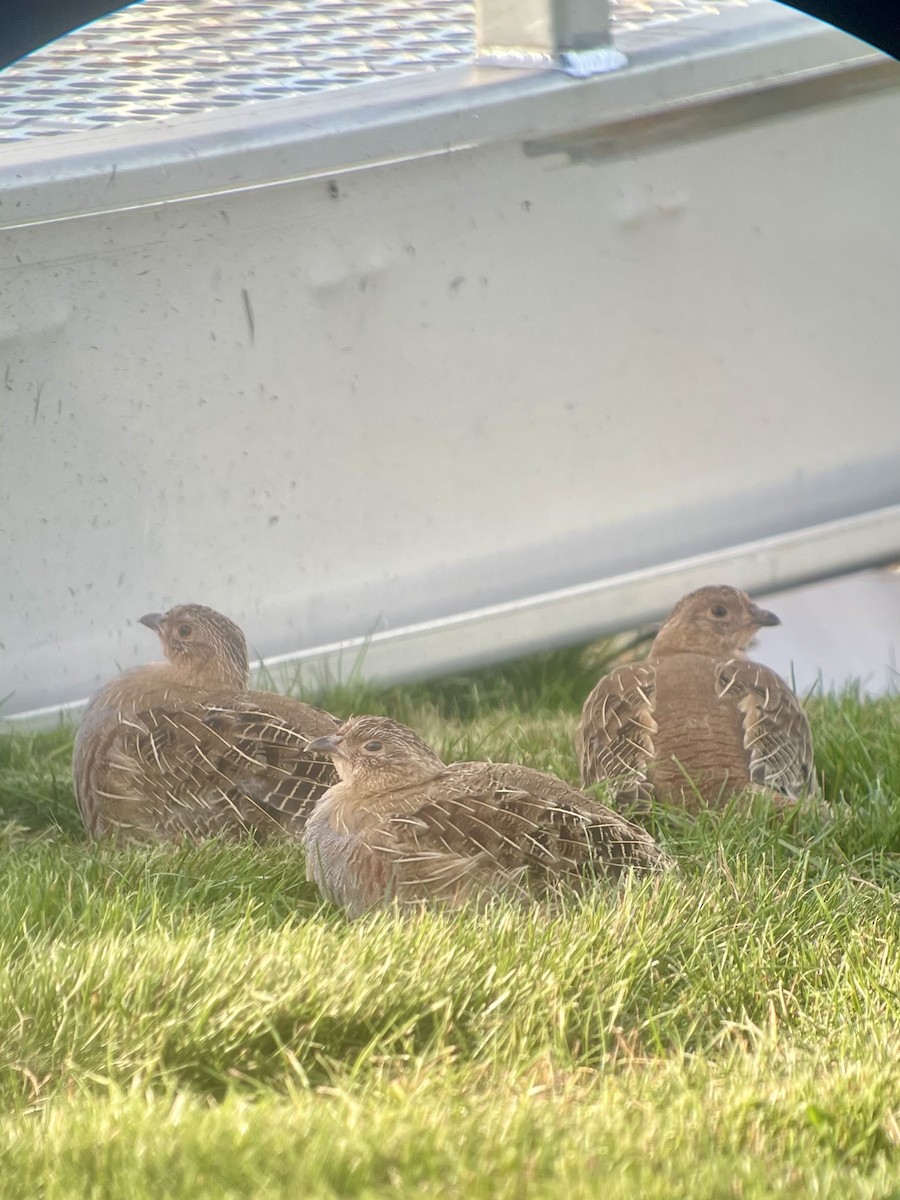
(191, 1022)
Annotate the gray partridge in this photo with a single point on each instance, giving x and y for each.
(183, 748)
(697, 721)
(402, 826)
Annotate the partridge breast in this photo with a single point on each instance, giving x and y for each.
(699, 746)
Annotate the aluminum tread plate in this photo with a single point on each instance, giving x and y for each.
(161, 58)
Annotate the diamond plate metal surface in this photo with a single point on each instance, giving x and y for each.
(160, 58)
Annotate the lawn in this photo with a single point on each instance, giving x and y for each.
(191, 1022)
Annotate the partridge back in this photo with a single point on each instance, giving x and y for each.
(159, 766)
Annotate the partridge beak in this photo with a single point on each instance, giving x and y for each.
(152, 620)
(327, 745)
(762, 616)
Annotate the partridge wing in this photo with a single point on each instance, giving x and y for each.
(263, 747)
(614, 740)
(563, 832)
(777, 736)
(206, 768)
(484, 827)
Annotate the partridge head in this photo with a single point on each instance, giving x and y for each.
(204, 647)
(376, 754)
(718, 620)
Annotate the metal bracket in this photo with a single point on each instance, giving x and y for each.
(569, 35)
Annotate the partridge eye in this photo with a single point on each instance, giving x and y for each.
(719, 610)
(185, 630)
(373, 746)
